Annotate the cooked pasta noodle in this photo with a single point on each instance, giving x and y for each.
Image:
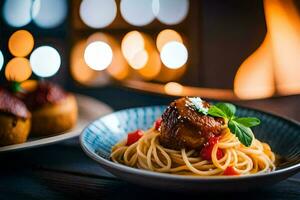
(147, 153)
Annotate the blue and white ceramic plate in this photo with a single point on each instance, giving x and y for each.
(283, 135)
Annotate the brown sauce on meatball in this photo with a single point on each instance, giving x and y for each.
(184, 127)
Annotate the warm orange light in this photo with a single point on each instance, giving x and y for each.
(132, 43)
(29, 85)
(139, 60)
(18, 69)
(118, 68)
(152, 64)
(140, 52)
(100, 37)
(283, 23)
(166, 74)
(255, 78)
(173, 88)
(152, 69)
(20, 43)
(166, 36)
(275, 66)
(79, 69)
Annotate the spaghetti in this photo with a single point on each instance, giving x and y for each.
(147, 153)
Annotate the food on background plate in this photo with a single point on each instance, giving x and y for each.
(53, 109)
(193, 137)
(15, 119)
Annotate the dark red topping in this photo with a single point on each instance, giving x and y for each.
(134, 137)
(229, 171)
(208, 147)
(184, 127)
(12, 105)
(45, 93)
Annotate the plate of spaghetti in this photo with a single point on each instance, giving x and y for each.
(193, 145)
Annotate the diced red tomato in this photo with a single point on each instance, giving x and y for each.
(213, 140)
(157, 123)
(133, 137)
(207, 149)
(219, 154)
(229, 171)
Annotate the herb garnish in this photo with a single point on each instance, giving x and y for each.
(197, 104)
(15, 87)
(240, 126)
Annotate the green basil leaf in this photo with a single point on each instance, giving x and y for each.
(243, 133)
(228, 108)
(248, 121)
(216, 112)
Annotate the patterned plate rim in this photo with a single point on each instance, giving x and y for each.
(109, 164)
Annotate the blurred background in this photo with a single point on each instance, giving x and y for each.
(232, 50)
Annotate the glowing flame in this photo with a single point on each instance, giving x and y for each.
(283, 24)
(255, 79)
(275, 66)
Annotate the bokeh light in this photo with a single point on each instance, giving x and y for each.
(173, 88)
(45, 61)
(80, 71)
(20, 43)
(49, 13)
(140, 52)
(18, 69)
(166, 74)
(118, 69)
(137, 12)
(170, 12)
(174, 55)
(153, 66)
(98, 55)
(98, 13)
(139, 60)
(132, 43)
(166, 36)
(17, 13)
(1, 60)
(29, 85)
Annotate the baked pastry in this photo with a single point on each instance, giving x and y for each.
(53, 109)
(15, 119)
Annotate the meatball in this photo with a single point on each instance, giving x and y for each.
(184, 127)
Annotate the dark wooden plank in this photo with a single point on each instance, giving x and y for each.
(47, 184)
(63, 171)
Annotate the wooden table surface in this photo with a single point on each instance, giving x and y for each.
(63, 171)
